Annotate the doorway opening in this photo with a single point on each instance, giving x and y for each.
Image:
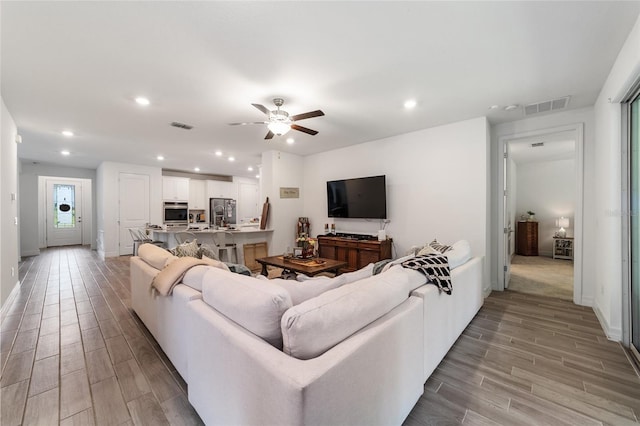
(541, 180)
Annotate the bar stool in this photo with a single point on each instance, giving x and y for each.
(223, 242)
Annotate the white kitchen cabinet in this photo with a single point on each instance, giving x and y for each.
(197, 194)
(175, 188)
(221, 189)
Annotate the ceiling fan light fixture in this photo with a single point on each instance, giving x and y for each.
(278, 127)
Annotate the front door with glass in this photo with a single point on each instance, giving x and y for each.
(64, 213)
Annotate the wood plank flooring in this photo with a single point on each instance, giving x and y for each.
(531, 360)
(73, 353)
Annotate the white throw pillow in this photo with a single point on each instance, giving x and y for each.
(459, 254)
(254, 304)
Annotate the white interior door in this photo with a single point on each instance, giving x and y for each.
(133, 207)
(64, 212)
(507, 223)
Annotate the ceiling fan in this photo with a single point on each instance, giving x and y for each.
(280, 122)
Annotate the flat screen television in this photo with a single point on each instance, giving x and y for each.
(361, 198)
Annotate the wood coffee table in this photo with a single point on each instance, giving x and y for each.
(309, 267)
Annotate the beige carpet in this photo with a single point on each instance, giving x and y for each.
(542, 276)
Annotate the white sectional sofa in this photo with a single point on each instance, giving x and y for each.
(355, 354)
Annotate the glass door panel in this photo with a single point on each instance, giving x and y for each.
(634, 222)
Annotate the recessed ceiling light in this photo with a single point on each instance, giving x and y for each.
(196, 169)
(65, 152)
(257, 176)
(510, 107)
(219, 153)
(494, 107)
(67, 133)
(232, 159)
(290, 141)
(250, 168)
(410, 104)
(142, 101)
(160, 157)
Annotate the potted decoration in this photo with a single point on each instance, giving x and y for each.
(532, 216)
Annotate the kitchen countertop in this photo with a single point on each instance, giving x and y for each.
(210, 231)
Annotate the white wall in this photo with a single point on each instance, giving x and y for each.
(548, 189)
(29, 211)
(436, 185)
(8, 205)
(586, 117)
(608, 185)
(107, 199)
(280, 169)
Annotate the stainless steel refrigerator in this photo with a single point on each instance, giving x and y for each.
(222, 209)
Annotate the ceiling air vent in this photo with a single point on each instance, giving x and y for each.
(537, 144)
(181, 125)
(547, 106)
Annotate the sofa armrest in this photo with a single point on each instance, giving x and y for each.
(237, 378)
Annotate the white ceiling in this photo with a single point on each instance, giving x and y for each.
(78, 65)
(555, 146)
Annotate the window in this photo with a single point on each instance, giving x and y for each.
(64, 209)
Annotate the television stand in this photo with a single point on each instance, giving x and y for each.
(355, 249)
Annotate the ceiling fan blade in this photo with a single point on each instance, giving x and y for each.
(244, 124)
(262, 108)
(304, 129)
(270, 135)
(310, 114)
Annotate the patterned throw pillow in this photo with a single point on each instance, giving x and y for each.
(442, 248)
(188, 249)
(427, 250)
(207, 250)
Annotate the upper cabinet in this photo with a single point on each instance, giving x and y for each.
(197, 194)
(175, 188)
(221, 189)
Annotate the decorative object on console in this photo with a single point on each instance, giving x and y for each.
(532, 216)
(280, 122)
(304, 227)
(562, 223)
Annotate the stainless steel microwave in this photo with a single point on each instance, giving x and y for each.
(176, 213)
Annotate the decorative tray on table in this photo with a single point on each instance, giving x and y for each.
(302, 261)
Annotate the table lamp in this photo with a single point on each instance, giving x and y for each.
(563, 222)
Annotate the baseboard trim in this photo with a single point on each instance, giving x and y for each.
(35, 252)
(9, 301)
(614, 334)
(587, 301)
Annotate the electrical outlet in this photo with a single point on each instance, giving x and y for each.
(15, 220)
(13, 271)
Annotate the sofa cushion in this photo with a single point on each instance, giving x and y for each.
(195, 276)
(459, 254)
(154, 255)
(316, 325)
(254, 304)
(301, 291)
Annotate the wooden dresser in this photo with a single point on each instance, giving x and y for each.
(357, 253)
(527, 238)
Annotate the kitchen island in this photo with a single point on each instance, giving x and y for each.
(241, 236)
